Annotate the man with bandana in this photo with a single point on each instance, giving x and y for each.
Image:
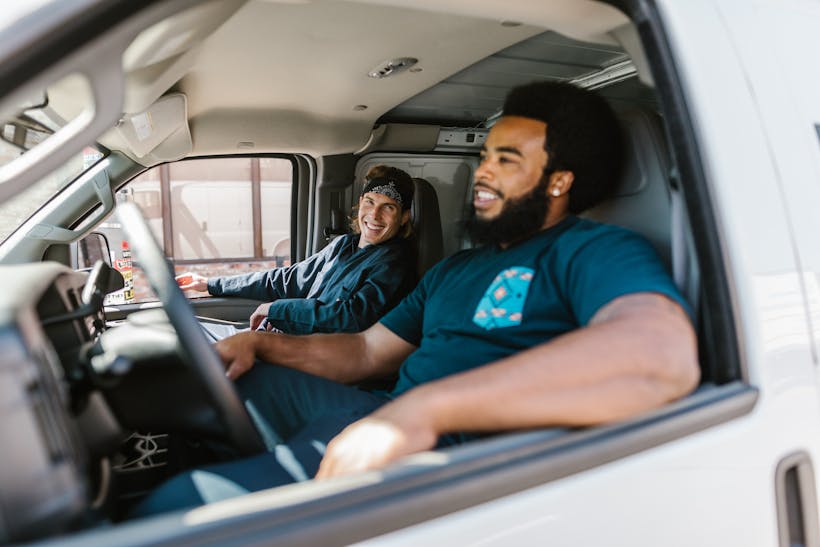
(347, 286)
(552, 321)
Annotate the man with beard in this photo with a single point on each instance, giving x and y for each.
(553, 321)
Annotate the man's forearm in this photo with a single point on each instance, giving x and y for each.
(610, 370)
(338, 357)
(345, 358)
(254, 285)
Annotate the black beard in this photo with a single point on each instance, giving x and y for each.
(519, 219)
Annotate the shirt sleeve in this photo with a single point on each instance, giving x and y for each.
(292, 281)
(611, 265)
(382, 286)
(407, 319)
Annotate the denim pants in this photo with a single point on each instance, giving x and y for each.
(297, 414)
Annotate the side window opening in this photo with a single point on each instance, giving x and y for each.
(212, 216)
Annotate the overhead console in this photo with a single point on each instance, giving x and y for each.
(460, 139)
(408, 137)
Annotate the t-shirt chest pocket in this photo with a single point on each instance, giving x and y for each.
(502, 304)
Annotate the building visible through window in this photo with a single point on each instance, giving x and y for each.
(214, 216)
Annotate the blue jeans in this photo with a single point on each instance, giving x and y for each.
(297, 414)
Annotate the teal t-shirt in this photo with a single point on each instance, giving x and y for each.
(484, 304)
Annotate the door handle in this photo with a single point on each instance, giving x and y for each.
(796, 499)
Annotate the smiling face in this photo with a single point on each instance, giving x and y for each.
(380, 218)
(515, 195)
(512, 164)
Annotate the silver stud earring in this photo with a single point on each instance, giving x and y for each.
(556, 192)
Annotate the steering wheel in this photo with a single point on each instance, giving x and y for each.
(198, 354)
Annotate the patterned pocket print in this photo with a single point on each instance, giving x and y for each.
(503, 303)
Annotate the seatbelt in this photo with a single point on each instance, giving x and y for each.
(677, 232)
(681, 246)
(337, 225)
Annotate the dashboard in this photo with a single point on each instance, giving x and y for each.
(46, 326)
(75, 390)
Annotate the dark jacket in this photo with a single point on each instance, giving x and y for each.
(339, 289)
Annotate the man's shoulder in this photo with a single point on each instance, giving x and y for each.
(599, 245)
(585, 227)
(397, 247)
(457, 259)
(345, 239)
(340, 243)
(586, 232)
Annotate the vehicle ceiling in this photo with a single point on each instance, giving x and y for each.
(290, 76)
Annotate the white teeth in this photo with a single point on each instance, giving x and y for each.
(483, 194)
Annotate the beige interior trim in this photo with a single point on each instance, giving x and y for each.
(150, 131)
(585, 20)
(291, 75)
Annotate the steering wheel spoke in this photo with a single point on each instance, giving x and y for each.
(198, 354)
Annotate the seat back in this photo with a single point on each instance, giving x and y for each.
(426, 219)
(648, 202)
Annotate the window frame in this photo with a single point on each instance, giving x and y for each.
(166, 206)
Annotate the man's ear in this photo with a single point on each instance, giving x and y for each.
(560, 183)
(405, 217)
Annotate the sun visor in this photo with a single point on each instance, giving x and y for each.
(401, 136)
(161, 131)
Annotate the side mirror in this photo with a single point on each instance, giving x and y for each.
(92, 248)
(102, 280)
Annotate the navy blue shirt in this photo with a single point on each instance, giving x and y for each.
(485, 304)
(342, 288)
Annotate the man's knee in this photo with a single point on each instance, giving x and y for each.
(228, 480)
(190, 489)
(277, 399)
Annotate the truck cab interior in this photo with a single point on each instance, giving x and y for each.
(105, 400)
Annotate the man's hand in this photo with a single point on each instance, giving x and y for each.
(238, 353)
(192, 282)
(260, 315)
(397, 429)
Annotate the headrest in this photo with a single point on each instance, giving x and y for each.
(426, 220)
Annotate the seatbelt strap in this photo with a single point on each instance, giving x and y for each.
(677, 233)
(686, 276)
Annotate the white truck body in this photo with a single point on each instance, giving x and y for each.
(733, 465)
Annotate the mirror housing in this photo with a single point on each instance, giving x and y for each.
(92, 248)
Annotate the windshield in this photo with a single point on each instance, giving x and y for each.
(31, 134)
(15, 11)
(19, 208)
